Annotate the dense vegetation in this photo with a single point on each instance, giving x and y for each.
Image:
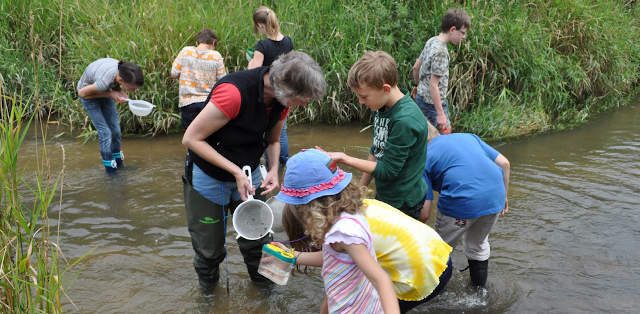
(32, 266)
(526, 66)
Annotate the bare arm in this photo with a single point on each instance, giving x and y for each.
(426, 211)
(273, 152)
(258, 59)
(416, 70)
(325, 306)
(91, 92)
(208, 121)
(304, 258)
(416, 77)
(366, 166)
(174, 76)
(366, 177)
(503, 163)
(437, 102)
(310, 259)
(374, 272)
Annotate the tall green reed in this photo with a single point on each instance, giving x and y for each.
(30, 276)
(31, 262)
(556, 62)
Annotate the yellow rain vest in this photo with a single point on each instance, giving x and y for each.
(411, 252)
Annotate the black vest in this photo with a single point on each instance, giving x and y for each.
(243, 139)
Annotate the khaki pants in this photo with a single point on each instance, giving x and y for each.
(474, 233)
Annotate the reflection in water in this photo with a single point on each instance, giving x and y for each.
(568, 244)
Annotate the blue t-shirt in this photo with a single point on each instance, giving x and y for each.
(461, 167)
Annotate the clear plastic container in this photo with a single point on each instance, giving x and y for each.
(276, 264)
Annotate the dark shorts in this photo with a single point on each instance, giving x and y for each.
(405, 306)
(413, 211)
(189, 112)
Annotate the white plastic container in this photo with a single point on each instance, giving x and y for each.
(276, 208)
(140, 108)
(253, 218)
(276, 264)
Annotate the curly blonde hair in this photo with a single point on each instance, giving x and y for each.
(319, 215)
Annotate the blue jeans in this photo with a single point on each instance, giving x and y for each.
(284, 147)
(104, 115)
(220, 192)
(429, 110)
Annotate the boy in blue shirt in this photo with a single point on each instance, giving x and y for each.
(472, 179)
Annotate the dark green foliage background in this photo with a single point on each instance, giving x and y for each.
(526, 67)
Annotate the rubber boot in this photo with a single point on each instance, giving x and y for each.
(205, 223)
(252, 253)
(110, 166)
(207, 276)
(478, 271)
(118, 157)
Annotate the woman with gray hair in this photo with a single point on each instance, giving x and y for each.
(243, 118)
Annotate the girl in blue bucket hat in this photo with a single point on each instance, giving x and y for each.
(332, 213)
(318, 195)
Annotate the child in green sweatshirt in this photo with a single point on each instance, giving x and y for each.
(398, 151)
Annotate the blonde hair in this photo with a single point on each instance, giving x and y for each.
(373, 69)
(319, 215)
(266, 16)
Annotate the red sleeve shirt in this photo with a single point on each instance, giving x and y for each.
(227, 98)
(284, 113)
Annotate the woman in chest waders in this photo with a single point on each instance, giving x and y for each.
(243, 118)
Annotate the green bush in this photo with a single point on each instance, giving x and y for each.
(526, 66)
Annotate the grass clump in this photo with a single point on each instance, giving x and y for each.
(30, 276)
(526, 66)
(31, 262)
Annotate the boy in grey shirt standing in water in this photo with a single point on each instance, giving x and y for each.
(431, 70)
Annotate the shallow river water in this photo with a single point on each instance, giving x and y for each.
(571, 242)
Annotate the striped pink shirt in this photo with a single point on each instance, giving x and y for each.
(348, 289)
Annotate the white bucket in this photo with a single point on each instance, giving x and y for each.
(140, 107)
(276, 207)
(253, 218)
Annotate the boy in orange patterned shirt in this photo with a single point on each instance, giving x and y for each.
(198, 69)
